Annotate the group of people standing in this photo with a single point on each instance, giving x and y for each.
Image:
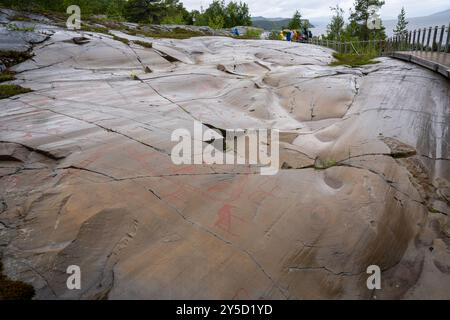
(295, 35)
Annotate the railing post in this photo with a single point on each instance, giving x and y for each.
(408, 41)
(418, 41)
(441, 38)
(447, 43)
(434, 38)
(423, 39)
(413, 47)
(428, 38)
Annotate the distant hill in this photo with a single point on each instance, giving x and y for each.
(269, 24)
(320, 24)
(445, 12)
(268, 19)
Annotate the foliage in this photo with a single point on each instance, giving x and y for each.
(359, 19)
(219, 15)
(296, 21)
(115, 9)
(216, 22)
(252, 33)
(155, 11)
(402, 24)
(336, 26)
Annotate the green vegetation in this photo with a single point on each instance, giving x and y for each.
(123, 40)
(358, 21)
(90, 28)
(251, 33)
(143, 43)
(14, 290)
(324, 164)
(19, 17)
(296, 21)
(336, 27)
(10, 58)
(402, 24)
(176, 33)
(15, 27)
(220, 15)
(6, 76)
(9, 90)
(155, 12)
(356, 29)
(353, 60)
(134, 76)
(217, 15)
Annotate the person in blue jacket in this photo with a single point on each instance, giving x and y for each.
(288, 36)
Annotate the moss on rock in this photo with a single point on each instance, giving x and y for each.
(9, 90)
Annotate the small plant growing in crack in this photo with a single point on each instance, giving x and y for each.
(134, 76)
(15, 27)
(123, 40)
(324, 164)
(143, 44)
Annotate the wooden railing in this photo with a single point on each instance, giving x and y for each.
(435, 39)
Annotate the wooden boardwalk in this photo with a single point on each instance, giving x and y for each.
(436, 61)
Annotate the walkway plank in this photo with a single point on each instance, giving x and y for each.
(436, 61)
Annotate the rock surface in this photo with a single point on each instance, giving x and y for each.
(87, 178)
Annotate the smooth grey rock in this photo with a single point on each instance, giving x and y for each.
(19, 41)
(99, 188)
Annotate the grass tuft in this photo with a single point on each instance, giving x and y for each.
(96, 29)
(6, 76)
(123, 40)
(10, 58)
(143, 44)
(324, 164)
(9, 90)
(176, 33)
(251, 34)
(353, 60)
(15, 27)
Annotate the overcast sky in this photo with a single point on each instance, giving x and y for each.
(321, 8)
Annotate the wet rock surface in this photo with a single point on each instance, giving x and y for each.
(87, 178)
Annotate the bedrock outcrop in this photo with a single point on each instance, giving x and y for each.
(86, 176)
